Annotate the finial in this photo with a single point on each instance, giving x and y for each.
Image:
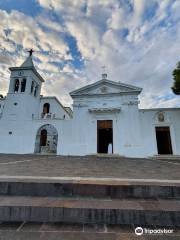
(31, 52)
(104, 74)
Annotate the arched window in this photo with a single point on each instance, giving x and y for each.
(35, 90)
(46, 108)
(43, 137)
(23, 85)
(16, 85)
(32, 86)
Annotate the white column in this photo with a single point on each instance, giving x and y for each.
(20, 82)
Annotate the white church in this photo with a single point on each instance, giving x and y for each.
(105, 120)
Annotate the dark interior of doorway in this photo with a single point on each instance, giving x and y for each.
(43, 137)
(163, 138)
(104, 135)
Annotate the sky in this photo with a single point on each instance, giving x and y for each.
(137, 40)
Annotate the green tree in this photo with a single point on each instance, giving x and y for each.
(176, 77)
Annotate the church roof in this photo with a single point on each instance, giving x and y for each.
(28, 62)
(28, 65)
(106, 87)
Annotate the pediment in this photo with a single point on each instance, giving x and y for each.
(105, 87)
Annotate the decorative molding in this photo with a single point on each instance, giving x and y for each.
(123, 88)
(80, 105)
(161, 117)
(131, 103)
(104, 89)
(104, 110)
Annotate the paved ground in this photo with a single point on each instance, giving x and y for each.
(58, 231)
(88, 167)
(37, 166)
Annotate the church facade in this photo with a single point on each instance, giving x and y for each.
(105, 120)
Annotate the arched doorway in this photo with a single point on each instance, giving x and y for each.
(46, 140)
(43, 137)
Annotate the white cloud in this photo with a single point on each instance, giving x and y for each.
(18, 33)
(50, 24)
(87, 37)
(176, 10)
(68, 8)
(137, 50)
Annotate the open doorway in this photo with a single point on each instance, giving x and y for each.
(43, 137)
(163, 138)
(46, 140)
(104, 136)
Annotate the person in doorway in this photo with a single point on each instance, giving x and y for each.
(110, 148)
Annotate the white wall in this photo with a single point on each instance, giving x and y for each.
(22, 139)
(126, 128)
(22, 105)
(2, 101)
(55, 107)
(133, 129)
(149, 121)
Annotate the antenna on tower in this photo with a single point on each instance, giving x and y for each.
(104, 74)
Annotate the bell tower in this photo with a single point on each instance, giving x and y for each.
(23, 96)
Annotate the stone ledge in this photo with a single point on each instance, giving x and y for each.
(98, 216)
(124, 204)
(87, 189)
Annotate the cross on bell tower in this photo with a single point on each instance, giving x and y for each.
(24, 90)
(31, 52)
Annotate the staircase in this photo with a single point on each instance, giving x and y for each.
(139, 204)
(166, 157)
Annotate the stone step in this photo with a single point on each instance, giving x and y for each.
(168, 157)
(93, 190)
(102, 211)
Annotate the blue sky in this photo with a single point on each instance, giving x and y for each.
(29, 7)
(137, 40)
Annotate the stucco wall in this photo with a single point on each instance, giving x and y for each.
(148, 122)
(55, 107)
(133, 129)
(126, 128)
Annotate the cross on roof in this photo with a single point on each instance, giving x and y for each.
(104, 74)
(104, 69)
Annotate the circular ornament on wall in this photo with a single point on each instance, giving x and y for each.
(104, 89)
(20, 73)
(161, 117)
